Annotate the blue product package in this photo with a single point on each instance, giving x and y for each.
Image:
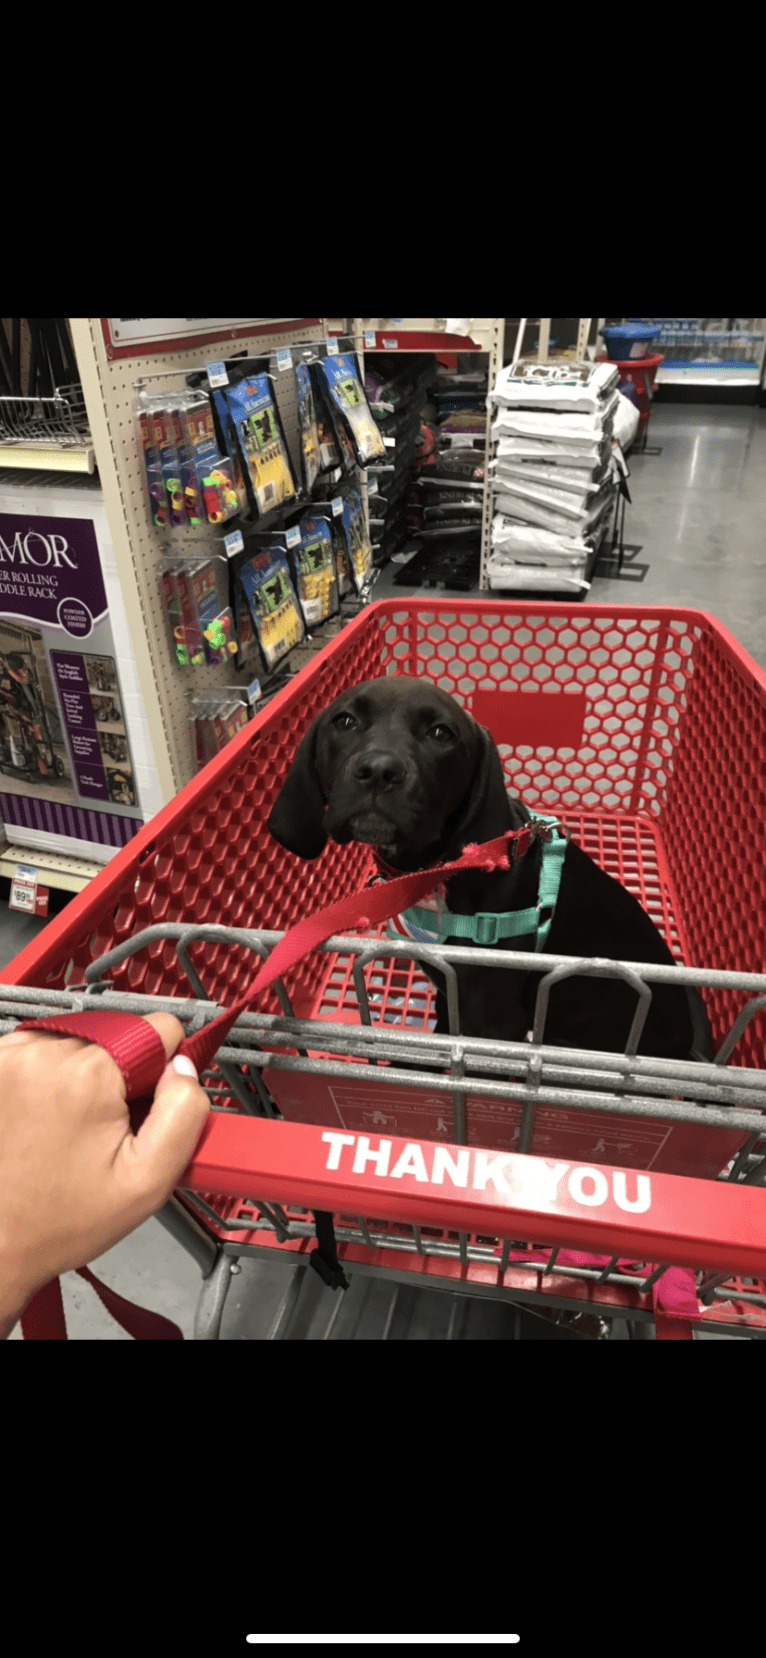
(350, 409)
(315, 575)
(252, 408)
(307, 422)
(357, 539)
(273, 605)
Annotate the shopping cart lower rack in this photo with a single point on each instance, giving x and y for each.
(604, 1183)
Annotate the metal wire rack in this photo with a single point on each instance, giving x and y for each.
(61, 419)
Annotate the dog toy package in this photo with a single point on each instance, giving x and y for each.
(349, 408)
(314, 567)
(339, 547)
(171, 600)
(190, 647)
(214, 622)
(357, 539)
(251, 405)
(273, 604)
(307, 421)
(211, 477)
(190, 486)
(155, 483)
(163, 424)
(162, 466)
(245, 634)
(215, 725)
(329, 453)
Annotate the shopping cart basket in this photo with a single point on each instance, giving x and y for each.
(608, 1183)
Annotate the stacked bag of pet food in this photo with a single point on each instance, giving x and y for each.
(553, 478)
(396, 390)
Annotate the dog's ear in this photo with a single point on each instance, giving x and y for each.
(296, 819)
(483, 811)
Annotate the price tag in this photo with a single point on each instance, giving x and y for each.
(390, 443)
(369, 339)
(254, 691)
(397, 321)
(233, 543)
(336, 474)
(332, 346)
(372, 487)
(293, 536)
(23, 889)
(284, 358)
(390, 345)
(216, 374)
(337, 506)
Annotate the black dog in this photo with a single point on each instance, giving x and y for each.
(396, 763)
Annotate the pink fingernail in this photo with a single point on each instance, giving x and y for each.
(185, 1066)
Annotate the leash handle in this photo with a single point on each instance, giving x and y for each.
(135, 1046)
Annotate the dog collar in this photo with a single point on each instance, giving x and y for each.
(430, 922)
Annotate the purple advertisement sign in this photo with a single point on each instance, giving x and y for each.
(65, 761)
(50, 573)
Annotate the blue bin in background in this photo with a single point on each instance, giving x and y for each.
(630, 339)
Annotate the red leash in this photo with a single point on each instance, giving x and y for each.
(138, 1051)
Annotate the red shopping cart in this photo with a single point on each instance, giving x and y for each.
(604, 1183)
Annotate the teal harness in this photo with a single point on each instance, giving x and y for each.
(432, 923)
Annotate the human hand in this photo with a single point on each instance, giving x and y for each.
(74, 1179)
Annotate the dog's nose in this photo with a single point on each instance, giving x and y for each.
(383, 771)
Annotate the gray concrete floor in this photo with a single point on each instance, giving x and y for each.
(697, 514)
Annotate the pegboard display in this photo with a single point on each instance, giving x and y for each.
(110, 389)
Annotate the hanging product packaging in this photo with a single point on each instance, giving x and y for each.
(213, 490)
(307, 424)
(339, 547)
(329, 453)
(357, 539)
(273, 604)
(252, 411)
(165, 450)
(155, 483)
(314, 568)
(349, 408)
(188, 634)
(246, 636)
(172, 606)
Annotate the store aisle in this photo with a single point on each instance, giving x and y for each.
(697, 514)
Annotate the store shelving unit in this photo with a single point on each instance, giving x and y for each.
(54, 869)
(109, 378)
(698, 357)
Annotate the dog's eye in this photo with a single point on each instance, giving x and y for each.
(344, 721)
(442, 733)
